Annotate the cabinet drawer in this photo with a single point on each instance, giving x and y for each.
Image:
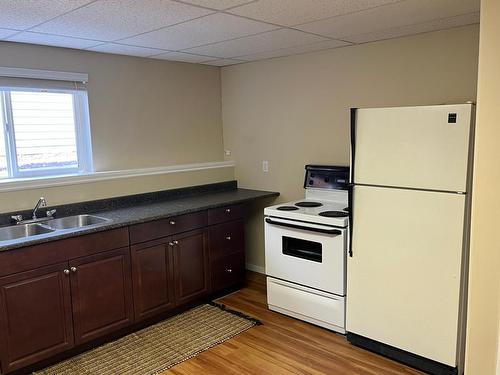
(226, 238)
(166, 227)
(227, 213)
(228, 271)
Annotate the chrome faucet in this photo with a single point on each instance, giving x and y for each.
(41, 203)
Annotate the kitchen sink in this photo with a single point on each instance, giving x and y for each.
(76, 221)
(22, 231)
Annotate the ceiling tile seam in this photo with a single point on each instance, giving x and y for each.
(348, 13)
(53, 18)
(414, 24)
(291, 54)
(64, 36)
(213, 9)
(230, 39)
(212, 58)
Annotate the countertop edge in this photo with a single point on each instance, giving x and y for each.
(116, 225)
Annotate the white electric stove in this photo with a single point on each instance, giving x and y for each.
(305, 247)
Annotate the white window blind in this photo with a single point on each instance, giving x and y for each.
(45, 125)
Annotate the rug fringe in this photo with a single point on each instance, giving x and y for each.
(223, 307)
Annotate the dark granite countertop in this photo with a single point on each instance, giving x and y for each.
(137, 211)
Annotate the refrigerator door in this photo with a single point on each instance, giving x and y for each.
(423, 147)
(403, 279)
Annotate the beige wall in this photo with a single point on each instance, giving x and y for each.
(295, 110)
(143, 112)
(484, 277)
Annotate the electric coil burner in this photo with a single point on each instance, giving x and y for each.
(306, 249)
(287, 208)
(308, 204)
(333, 214)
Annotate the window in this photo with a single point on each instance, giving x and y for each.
(45, 128)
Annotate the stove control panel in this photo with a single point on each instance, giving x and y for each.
(326, 177)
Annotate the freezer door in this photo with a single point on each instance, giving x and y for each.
(423, 147)
(403, 279)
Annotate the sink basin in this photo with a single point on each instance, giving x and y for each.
(22, 231)
(76, 221)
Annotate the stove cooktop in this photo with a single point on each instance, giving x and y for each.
(326, 212)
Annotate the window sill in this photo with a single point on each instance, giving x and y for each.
(74, 179)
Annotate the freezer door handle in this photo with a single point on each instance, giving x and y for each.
(334, 232)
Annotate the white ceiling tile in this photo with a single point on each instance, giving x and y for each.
(271, 40)
(218, 4)
(52, 40)
(121, 49)
(184, 57)
(389, 16)
(209, 29)
(224, 62)
(295, 50)
(109, 20)
(4, 33)
(294, 12)
(22, 14)
(441, 24)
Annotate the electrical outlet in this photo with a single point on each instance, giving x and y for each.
(265, 166)
(227, 152)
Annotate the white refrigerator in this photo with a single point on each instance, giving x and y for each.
(407, 264)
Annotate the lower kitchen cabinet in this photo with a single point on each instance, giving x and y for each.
(153, 280)
(35, 316)
(190, 255)
(101, 289)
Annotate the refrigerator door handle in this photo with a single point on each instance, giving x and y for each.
(350, 200)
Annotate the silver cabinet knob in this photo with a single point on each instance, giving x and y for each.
(228, 238)
(176, 242)
(172, 222)
(170, 244)
(73, 269)
(229, 270)
(228, 210)
(66, 272)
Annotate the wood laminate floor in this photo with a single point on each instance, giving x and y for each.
(283, 345)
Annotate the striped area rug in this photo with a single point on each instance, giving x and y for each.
(159, 347)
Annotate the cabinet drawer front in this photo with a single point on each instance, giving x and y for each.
(35, 316)
(227, 213)
(228, 271)
(226, 238)
(166, 227)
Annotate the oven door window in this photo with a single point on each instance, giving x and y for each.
(303, 249)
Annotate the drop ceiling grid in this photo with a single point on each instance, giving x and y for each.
(221, 32)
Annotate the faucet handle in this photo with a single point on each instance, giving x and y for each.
(51, 213)
(17, 218)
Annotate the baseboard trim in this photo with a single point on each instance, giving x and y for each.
(429, 366)
(255, 268)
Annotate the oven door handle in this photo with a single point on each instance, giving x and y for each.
(334, 232)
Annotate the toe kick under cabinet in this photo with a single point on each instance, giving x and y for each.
(59, 295)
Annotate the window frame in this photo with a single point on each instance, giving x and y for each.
(82, 136)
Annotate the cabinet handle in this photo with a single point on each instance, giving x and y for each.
(228, 210)
(172, 222)
(228, 238)
(229, 270)
(170, 244)
(73, 269)
(176, 242)
(66, 272)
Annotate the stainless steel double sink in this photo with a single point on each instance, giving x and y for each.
(50, 226)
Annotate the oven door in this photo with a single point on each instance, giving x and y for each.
(306, 253)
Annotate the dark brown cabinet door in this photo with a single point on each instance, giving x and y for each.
(152, 276)
(101, 290)
(35, 316)
(190, 252)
